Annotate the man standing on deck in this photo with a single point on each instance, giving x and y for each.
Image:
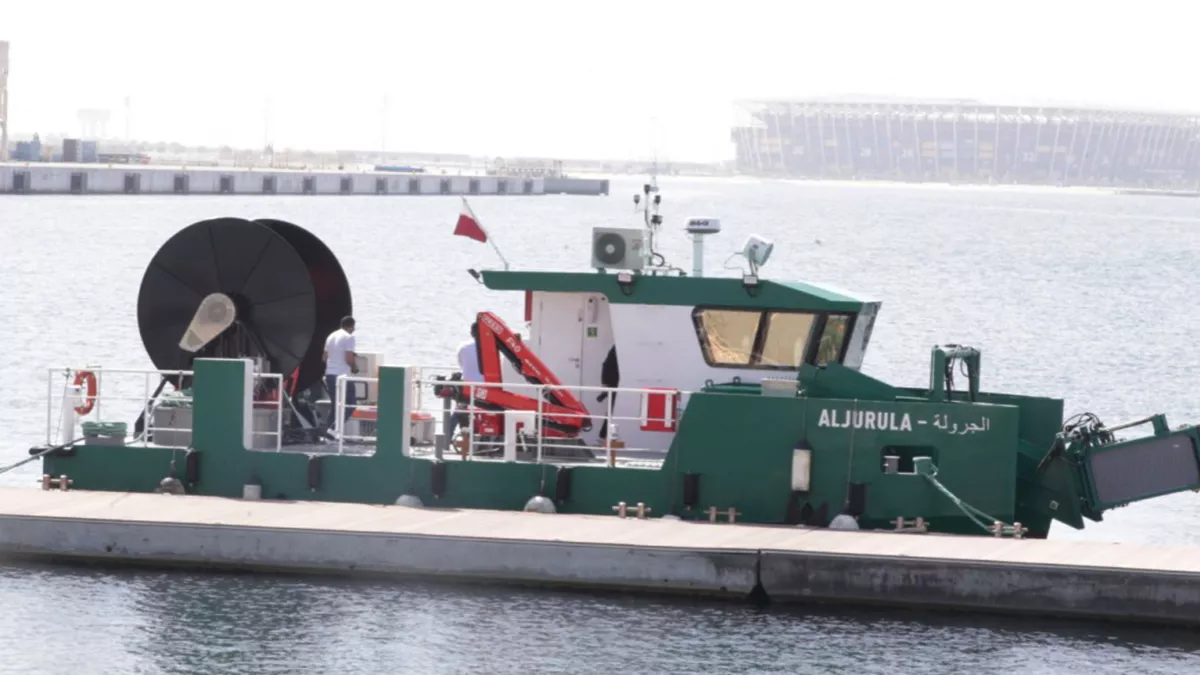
(340, 359)
(468, 364)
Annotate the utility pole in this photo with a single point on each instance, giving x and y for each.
(267, 149)
(383, 131)
(3, 101)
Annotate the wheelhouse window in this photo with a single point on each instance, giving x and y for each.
(727, 335)
(833, 339)
(767, 339)
(786, 339)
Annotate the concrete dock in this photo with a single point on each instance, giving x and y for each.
(45, 178)
(782, 564)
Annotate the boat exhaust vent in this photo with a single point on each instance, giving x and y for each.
(700, 228)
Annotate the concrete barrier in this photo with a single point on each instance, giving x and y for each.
(601, 567)
(1099, 580)
(987, 586)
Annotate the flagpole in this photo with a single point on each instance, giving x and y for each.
(490, 239)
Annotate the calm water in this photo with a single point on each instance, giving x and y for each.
(1076, 295)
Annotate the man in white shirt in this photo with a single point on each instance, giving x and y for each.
(468, 364)
(340, 359)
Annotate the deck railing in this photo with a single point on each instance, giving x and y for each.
(122, 395)
(363, 412)
(275, 403)
(519, 428)
(119, 395)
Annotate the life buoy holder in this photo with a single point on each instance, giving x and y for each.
(86, 378)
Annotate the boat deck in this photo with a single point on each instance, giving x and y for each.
(787, 564)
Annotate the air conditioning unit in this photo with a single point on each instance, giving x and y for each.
(618, 248)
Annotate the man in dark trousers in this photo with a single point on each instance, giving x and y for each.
(610, 376)
(340, 359)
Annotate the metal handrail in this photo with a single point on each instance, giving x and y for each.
(149, 402)
(340, 409)
(71, 397)
(278, 433)
(539, 391)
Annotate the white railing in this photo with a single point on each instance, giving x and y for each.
(531, 420)
(124, 394)
(426, 373)
(370, 410)
(113, 401)
(275, 403)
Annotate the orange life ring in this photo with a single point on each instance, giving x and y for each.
(89, 401)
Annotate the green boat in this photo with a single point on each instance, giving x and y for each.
(633, 389)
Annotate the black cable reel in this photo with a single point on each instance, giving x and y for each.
(234, 288)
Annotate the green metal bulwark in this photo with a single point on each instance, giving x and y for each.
(736, 448)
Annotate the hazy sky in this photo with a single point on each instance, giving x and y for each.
(566, 78)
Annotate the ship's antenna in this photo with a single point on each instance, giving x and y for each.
(650, 215)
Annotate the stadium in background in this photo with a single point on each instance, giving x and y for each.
(967, 141)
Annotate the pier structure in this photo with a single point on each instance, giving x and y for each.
(624, 552)
(33, 178)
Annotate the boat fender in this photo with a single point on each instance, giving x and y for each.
(191, 466)
(691, 489)
(410, 501)
(562, 484)
(170, 486)
(539, 504)
(437, 479)
(88, 378)
(314, 473)
(252, 490)
(798, 510)
(843, 522)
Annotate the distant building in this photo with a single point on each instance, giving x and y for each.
(967, 141)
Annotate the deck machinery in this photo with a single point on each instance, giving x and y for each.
(767, 418)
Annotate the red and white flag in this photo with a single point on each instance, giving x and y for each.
(468, 226)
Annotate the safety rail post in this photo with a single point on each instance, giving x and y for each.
(279, 417)
(608, 429)
(50, 407)
(100, 391)
(145, 405)
(470, 449)
(537, 428)
(420, 394)
(339, 409)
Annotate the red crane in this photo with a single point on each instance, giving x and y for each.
(563, 415)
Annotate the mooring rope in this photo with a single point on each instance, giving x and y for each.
(39, 455)
(983, 520)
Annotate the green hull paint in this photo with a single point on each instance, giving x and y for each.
(737, 441)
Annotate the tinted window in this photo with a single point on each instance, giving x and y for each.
(727, 335)
(829, 350)
(787, 339)
(755, 339)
